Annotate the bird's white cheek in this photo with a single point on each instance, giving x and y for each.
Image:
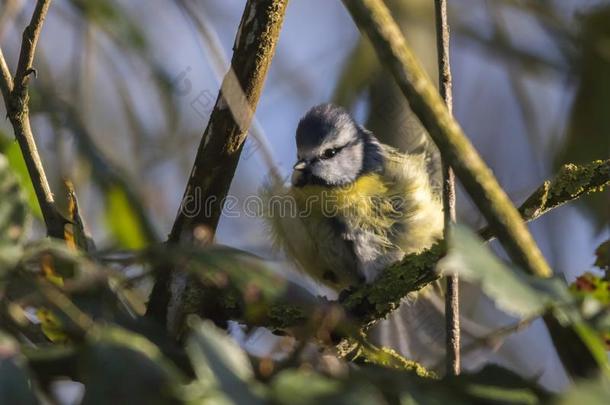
(318, 170)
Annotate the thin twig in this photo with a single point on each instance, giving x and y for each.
(15, 93)
(452, 302)
(494, 339)
(6, 79)
(374, 18)
(105, 172)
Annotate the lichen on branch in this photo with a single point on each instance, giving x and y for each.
(571, 182)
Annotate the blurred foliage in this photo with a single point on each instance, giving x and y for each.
(123, 221)
(109, 14)
(514, 292)
(13, 216)
(120, 355)
(10, 149)
(602, 260)
(577, 322)
(588, 132)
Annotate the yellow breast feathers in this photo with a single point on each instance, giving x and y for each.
(369, 203)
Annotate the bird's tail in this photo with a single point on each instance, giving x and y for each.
(416, 329)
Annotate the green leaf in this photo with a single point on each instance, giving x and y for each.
(13, 216)
(220, 364)
(15, 383)
(589, 392)
(123, 221)
(248, 272)
(602, 254)
(512, 290)
(587, 131)
(127, 368)
(589, 285)
(296, 387)
(237, 282)
(579, 348)
(10, 149)
(111, 16)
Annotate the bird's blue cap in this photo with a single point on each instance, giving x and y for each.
(315, 126)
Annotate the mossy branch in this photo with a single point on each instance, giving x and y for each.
(374, 19)
(361, 351)
(571, 182)
(363, 305)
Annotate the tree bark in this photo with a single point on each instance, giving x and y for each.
(218, 154)
(15, 94)
(452, 301)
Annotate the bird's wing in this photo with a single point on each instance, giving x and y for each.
(420, 223)
(426, 158)
(393, 121)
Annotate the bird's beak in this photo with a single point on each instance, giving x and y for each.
(300, 165)
(300, 175)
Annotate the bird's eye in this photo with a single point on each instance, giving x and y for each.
(328, 153)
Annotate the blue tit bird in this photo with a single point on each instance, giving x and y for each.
(354, 206)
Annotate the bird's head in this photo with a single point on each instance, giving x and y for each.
(332, 149)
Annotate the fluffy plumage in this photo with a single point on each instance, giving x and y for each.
(355, 206)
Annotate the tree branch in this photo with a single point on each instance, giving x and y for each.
(226, 132)
(452, 302)
(28, 49)
(220, 148)
(373, 17)
(6, 80)
(15, 94)
(105, 172)
(571, 182)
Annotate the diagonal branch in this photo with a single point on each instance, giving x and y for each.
(219, 151)
(373, 18)
(6, 79)
(15, 94)
(219, 62)
(571, 182)
(28, 49)
(233, 112)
